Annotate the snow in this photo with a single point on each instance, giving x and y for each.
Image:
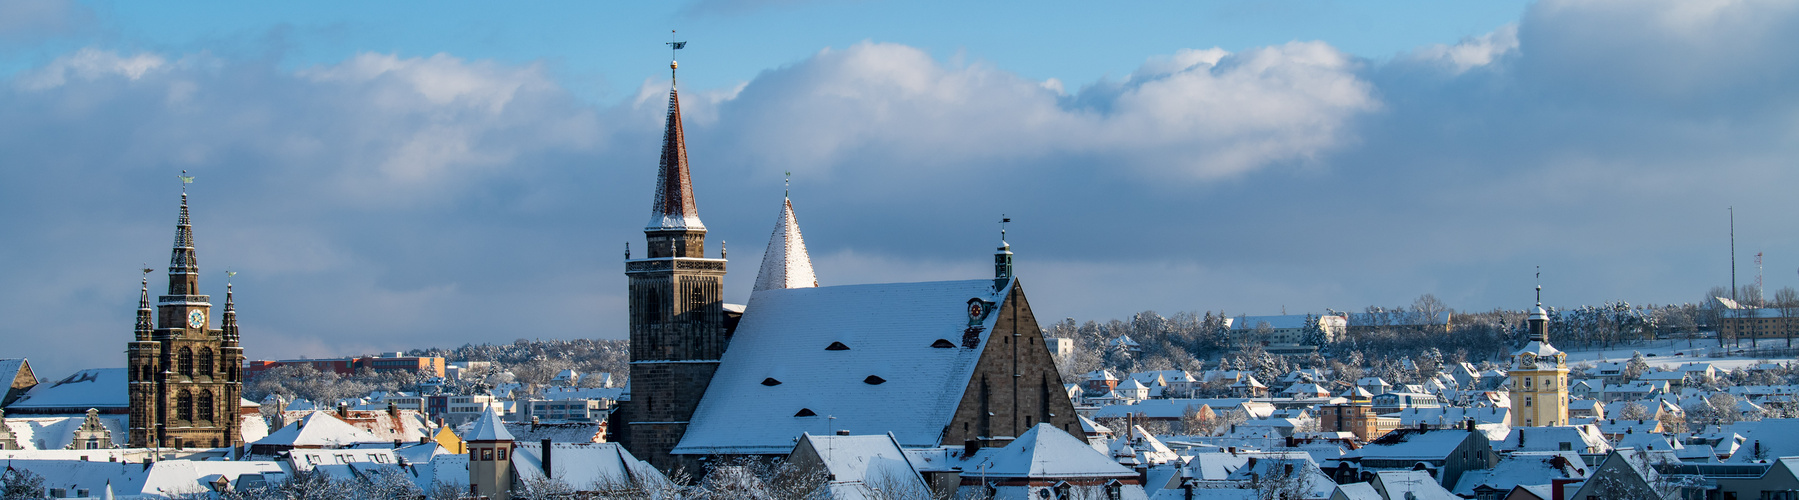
(584, 466)
(785, 264)
(1412, 485)
(488, 427)
(58, 431)
(889, 329)
(859, 464)
(1525, 467)
(1413, 444)
(90, 388)
(1048, 452)
(318, 430)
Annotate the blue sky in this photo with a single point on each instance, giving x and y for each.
(409, 174)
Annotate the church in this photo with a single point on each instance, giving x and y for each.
(184, 376)
(954, 363)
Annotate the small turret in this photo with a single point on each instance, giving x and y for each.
(1002, 260)
(146, 324)
(230, 319)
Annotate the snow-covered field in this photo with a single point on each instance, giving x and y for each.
(1671, 353)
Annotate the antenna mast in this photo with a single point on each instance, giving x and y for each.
(1760, 296)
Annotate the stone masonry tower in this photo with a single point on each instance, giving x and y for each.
(677, 310)
(185, 377)
(1539, 376)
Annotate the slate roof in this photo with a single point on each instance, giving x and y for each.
(889, 330)
(90, 388)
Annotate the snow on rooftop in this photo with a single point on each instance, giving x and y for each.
(488, 427)
(584, 465)
(90, 388)
(786, 264)
(889, 330)
(57, 432)
(1048, 452)
(318, 429)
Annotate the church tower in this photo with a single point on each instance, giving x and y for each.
(1539, 376)
(677, 310)
(786, 263)
(184, 376)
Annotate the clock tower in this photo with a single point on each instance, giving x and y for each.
(1539, 376)
(184, 375)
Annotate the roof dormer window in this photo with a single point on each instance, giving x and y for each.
(806, 412)
(837, 346)
(943, 344)
(771, 382)
(874, 380)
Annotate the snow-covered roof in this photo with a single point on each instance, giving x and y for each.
(1411, 485)
(1048, 452)
(317, 430)
(90, 388)
(1416, 444)
(585, 465)
(855, 464)
(1282, 322)
(1166, 408)
(56, 432)
(890, 379)
(1580, 438)
(786, 264)
(1524, 467)
(488, 427)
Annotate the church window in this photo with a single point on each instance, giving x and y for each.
(837, 346)
(943, 344)
(205, 361)
(874, 380)
(806, 412)
(205, 405)
(771, 382)
(184, 362)
(184, 406)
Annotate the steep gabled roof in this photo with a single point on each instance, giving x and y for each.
(318, 429)
(1047, 452)
(888, 330)
(488, 427)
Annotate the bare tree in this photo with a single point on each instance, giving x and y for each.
(1787, 299)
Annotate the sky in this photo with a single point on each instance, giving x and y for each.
(399, 175)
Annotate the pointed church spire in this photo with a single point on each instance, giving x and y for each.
(674, 207)
(145, 324)
(184, 267)
(786, 263)
(230, 318)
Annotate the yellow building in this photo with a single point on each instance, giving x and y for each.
(1539, 377)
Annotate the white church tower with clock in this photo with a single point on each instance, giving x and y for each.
(1539, 376)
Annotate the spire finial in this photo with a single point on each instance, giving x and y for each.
(672, 47)
(1003, 220)
(1539, 286)
(185, 180)
(787, 185)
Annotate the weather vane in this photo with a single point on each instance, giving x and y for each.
(672, 47)
(185, 180)
(1539, 286)
(1003, 220)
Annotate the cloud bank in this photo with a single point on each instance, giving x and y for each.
(386, 202)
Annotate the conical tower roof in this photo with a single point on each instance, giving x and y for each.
(674, 207)
(786, 263)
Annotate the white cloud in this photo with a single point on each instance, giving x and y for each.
(1470, 53)
(1197, 114)
(90, 64)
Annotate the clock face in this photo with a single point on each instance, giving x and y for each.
(196, 319)
(974, 310)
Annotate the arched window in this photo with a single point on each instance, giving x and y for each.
(206, 366)
(184, 406)
(184, 362)
(205, 409)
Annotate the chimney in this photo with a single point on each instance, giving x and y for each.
(970, 446)
(343, 410)
(1556, 487)
(547, 469)
(393, 410)
(1469, 423)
